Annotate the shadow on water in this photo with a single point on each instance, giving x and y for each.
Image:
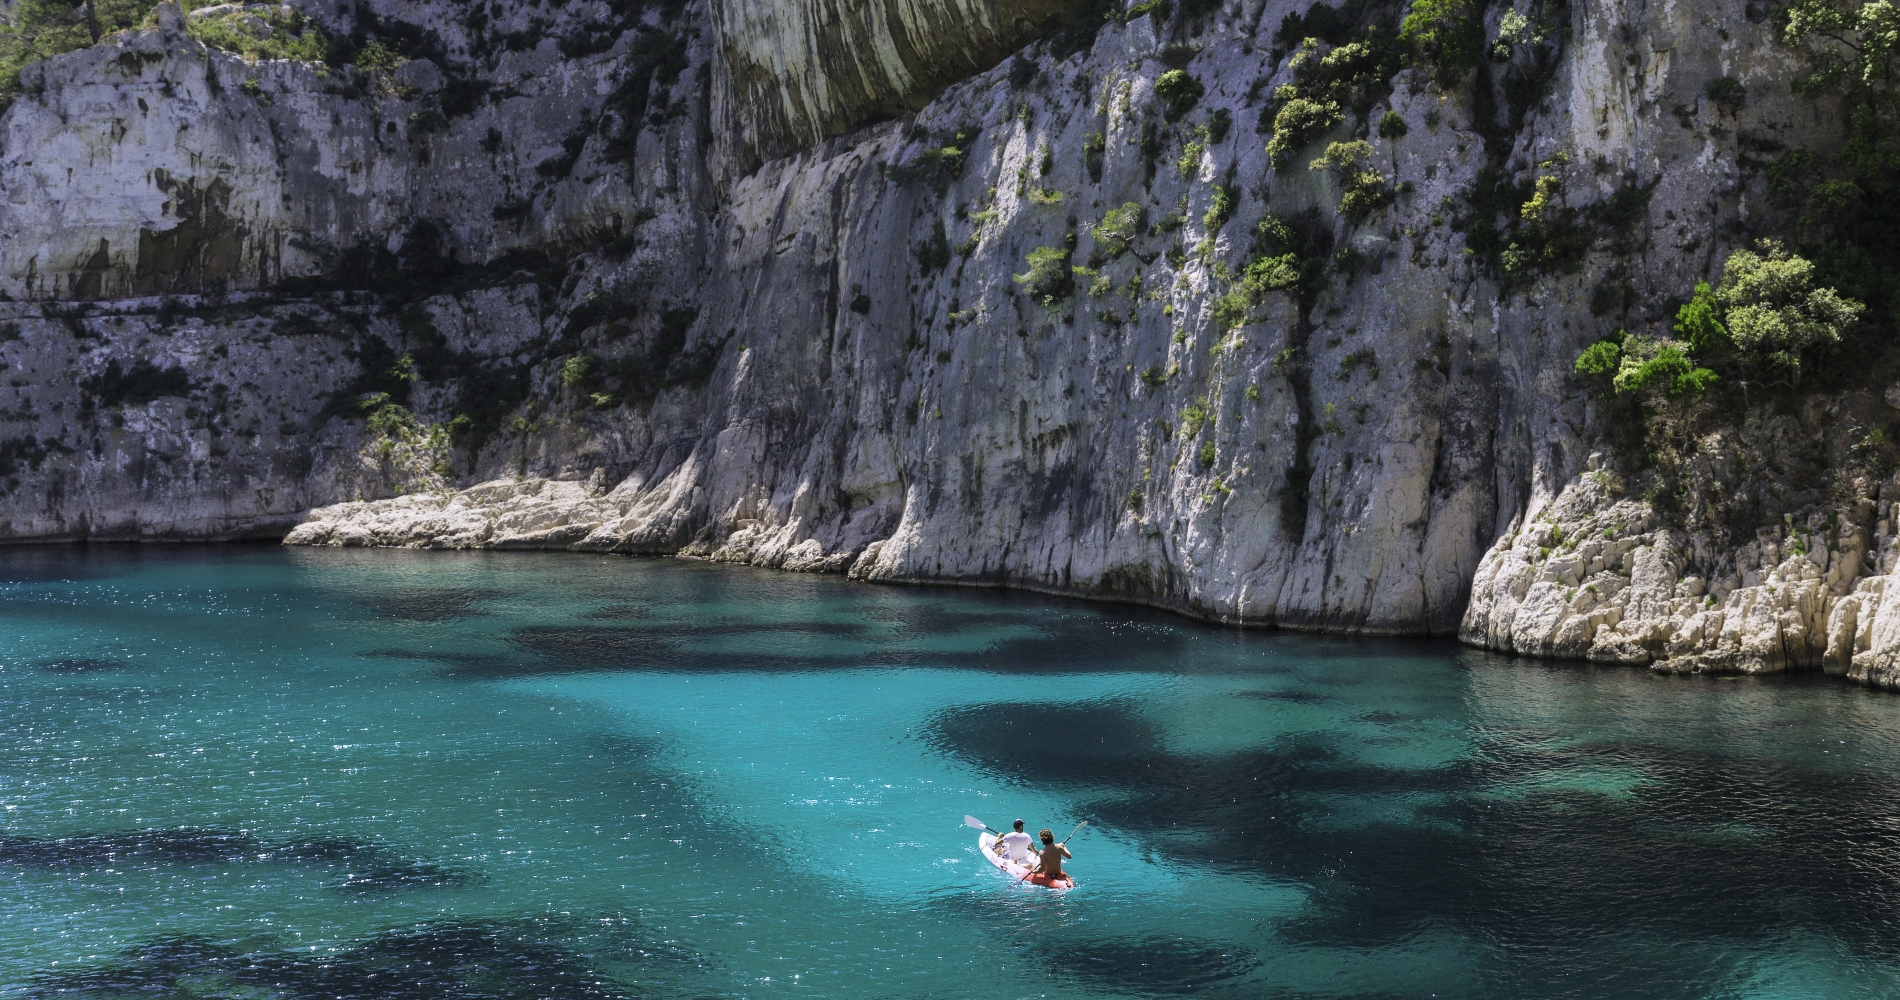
(81, 665)
(617, 613)
(41, 564)
(1012, 642)
(463, 959)
(1549, 854)
(1293, 697)
(1731, 845)
(362, 866)
(434, 604)
(1151, 967)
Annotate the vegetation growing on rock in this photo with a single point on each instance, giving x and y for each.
(1049, 277)
(1363, 189)
(1448, 34)
(1179, 92)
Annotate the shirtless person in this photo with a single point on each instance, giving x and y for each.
(1052, 855)
(1016, 843)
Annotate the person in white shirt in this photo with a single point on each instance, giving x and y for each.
(1015, 844)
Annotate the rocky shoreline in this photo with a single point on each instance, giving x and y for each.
(1591, 577)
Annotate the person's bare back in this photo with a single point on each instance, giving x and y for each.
(1052, 855)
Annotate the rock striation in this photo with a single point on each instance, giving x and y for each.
(760, 283)
(800, 71)
(1595, 574)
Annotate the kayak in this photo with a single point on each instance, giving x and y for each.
(986, 845)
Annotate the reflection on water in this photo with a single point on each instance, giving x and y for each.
(256, 772)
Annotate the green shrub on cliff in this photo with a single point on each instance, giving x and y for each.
(1774, 312)
(577, 373)
(1299, 121)
(1050, 277)
(1179, 92)
(1448, 34)
(286, 35)
(1094, 150)
(1527, 230)
(1699, 319)
(1117, 231)
(933, 253)
(937, 165)
(1642, 367)
(1327, 83)
(1289, 255)
(1548, 236)
(32, 30)
(1220, 207)
(1766, 319)
(1363, 190)
(1839, 209)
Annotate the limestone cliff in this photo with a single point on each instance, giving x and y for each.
(629, 266)
(798, 71)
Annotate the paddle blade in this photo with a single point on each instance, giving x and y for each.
(974, 823)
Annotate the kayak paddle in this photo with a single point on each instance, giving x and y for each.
(1064, 843)
(977, 824)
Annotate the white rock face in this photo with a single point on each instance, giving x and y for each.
(829, 363)
(504, 514)
(150, 164)
(1594, 574)
(1595, 578)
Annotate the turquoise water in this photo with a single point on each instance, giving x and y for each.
(266, 773)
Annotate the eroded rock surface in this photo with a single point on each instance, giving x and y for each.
(799, 71)
(1597, 574)
(626, 270)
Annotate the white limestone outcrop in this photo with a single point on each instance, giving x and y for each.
(1594, 578)
(504, 514)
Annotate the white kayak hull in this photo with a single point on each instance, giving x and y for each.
(986, 845)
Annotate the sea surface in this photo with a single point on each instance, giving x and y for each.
(257, 772)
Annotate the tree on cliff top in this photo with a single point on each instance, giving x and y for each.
(1774, 311)
(1449, 34)
(31, 30)
(1767, 315)
(1845, 207)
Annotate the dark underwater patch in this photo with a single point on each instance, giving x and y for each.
(1295, 697)
(433, 604)
(368, 867)
(1510, 844)
(800, 645)
(464, 960)
(618, 612)
(398, 877)
(184, 846)
(1095, 743)
(81, 665)
(457, 663)
(1150, 967)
